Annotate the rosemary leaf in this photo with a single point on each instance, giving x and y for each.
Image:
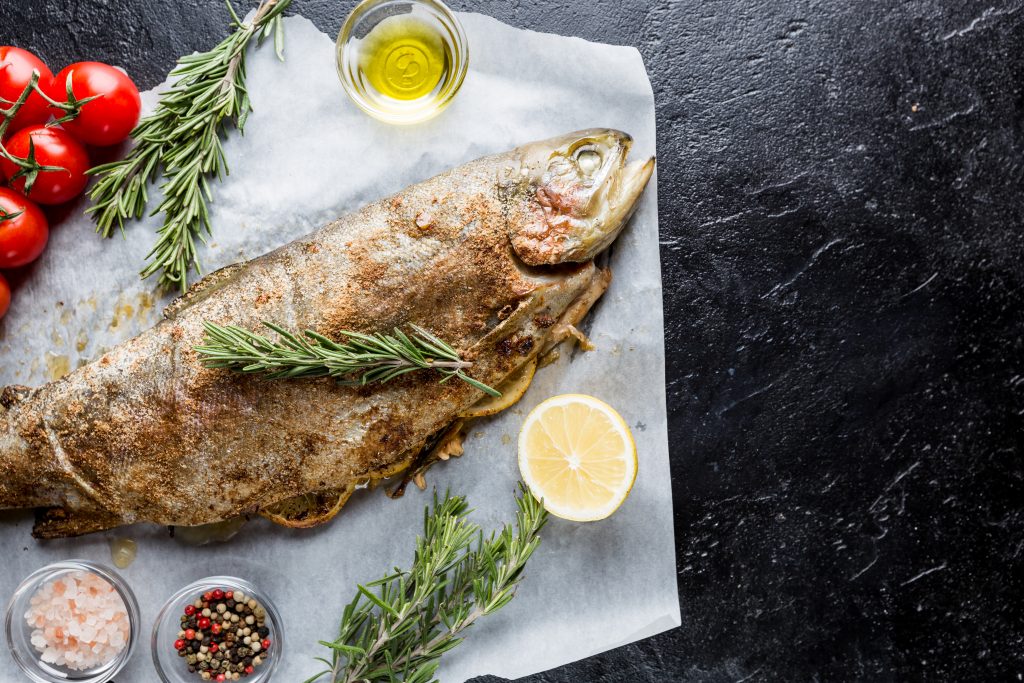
(180, 141)
(362, 359)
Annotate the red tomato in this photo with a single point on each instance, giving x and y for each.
(15, 71)
(23, 237)
(5, 296)
(53, 147)
(108, 119)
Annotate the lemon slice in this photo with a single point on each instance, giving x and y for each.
(577, 455)
(512, 389)
(309, 509)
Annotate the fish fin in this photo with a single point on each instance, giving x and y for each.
(16, 393)
(202, 289)
(566, 326)
(58, 522)
(446, 445)
(549, 357)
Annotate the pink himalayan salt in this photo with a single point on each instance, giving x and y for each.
(78, 621)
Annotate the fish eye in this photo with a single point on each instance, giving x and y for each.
(588, 160)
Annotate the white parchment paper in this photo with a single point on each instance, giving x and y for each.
(308, 156)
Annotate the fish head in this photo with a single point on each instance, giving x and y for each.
(570, 196)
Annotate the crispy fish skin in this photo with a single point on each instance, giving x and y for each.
(146, 433)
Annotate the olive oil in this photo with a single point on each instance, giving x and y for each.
(402, 61)
(404, 58)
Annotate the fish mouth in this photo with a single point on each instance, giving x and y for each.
(614, 204)
(631, 181)
(580, 190)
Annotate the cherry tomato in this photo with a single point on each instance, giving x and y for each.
(53, 147)
(5, 296)
(23, 237)
(108, 119)
(16, 67)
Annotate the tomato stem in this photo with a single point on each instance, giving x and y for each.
(5, 216)
(72, 106)
(28, 166)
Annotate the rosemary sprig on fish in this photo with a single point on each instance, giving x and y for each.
(181, 141)
(362, 359)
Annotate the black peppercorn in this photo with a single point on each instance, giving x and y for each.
(219, 650)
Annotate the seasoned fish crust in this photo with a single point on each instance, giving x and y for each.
(146, 433)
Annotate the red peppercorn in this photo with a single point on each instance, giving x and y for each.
(190, 610)
(179, 644)
(265, 643)
(207, 595)
(249, 669)
(229, 595)
(220, 678)
(215, 629)
(190, 634)
(204, 623)
(214, 647)
(218, 594)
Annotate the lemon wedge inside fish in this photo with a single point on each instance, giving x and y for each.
(309, 509)
(512, 389)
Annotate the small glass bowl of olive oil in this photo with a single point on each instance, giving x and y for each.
(402, 61)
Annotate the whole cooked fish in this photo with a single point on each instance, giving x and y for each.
(496, 257)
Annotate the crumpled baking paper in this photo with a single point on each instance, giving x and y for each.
(309, 155)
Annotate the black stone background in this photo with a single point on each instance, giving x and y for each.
(840, 191)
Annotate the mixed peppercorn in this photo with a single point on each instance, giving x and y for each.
(223, 636)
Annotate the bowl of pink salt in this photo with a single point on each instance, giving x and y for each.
(72, 621)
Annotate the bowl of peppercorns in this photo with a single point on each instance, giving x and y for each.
(220, 628)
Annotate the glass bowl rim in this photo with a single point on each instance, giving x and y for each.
(365, 8)
(35, 579)
(199, 586)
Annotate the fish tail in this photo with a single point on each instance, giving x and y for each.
(59, 522)
(20, 465)
(32, 476)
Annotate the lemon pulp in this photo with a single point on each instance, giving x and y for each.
(577, 454)
(404, 57)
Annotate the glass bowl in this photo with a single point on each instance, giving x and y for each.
(173, 668)
(19, 632)
(402, 61)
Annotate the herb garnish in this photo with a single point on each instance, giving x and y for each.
(362, 359)
(181, 140)
(397, 628)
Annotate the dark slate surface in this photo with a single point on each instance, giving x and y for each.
(841, 216)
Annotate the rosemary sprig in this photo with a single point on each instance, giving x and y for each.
(398, 627)
(361, 359)
(181, 141)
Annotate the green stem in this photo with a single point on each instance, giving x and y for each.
(12, 111)
(29, 167)
(5, 216)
